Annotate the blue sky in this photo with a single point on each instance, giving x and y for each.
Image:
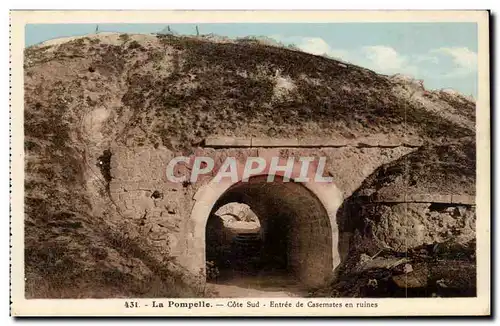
(444, 55)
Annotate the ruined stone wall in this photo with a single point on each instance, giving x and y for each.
(404, 226)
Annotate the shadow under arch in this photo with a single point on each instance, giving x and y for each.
(308, 209)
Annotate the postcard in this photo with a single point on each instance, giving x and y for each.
(250, 163)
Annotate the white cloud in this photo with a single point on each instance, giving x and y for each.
(339, 54)
(419, 58)
(318, 46)
(387, 60)
(433, 65)
(462, 57)
(314, 45)
(381, 58)
(465, 60)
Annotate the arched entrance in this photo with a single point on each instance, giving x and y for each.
(298, 220)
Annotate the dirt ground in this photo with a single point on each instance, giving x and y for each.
(240, 285)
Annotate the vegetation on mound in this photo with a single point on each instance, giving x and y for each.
(91, 259)
(171, 81)
(235, 87)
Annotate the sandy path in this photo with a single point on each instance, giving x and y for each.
(277, 286)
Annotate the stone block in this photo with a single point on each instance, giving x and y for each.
(420, 198)
(131, 185)
(463, 199)
(157, 174)
(368, 143)
(145, 186)
(130, 156)
(275, 142)
(143, 203)
(115, 196)
(130, 204)
(172, 207)
(227, 142)
(155, 213)
(441, 198)
(114, 164)
(136, 194)
(268, 153)
(144, 156)
(389, 143)
(120, 154)
(323, 142)
(130, 213)
(123, 196)
(115, 186)
(130, 172)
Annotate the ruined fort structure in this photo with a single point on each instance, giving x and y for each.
(104, 115)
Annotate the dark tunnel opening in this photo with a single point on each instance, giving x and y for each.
(283, 233)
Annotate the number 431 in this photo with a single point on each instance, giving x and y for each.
(131, 304)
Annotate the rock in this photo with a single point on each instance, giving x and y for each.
(423, 252)
(407, 269)
(441, 283)
(404, 226)
(416, 279)
(363, 258)
(409, 281)
(171, 208)
(372, 283)
(367, 263)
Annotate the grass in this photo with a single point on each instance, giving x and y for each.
(227, 97)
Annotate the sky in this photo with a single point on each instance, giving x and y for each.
(444, 55)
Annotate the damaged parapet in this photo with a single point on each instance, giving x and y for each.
(426, 197)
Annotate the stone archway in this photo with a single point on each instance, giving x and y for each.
(314, 254)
